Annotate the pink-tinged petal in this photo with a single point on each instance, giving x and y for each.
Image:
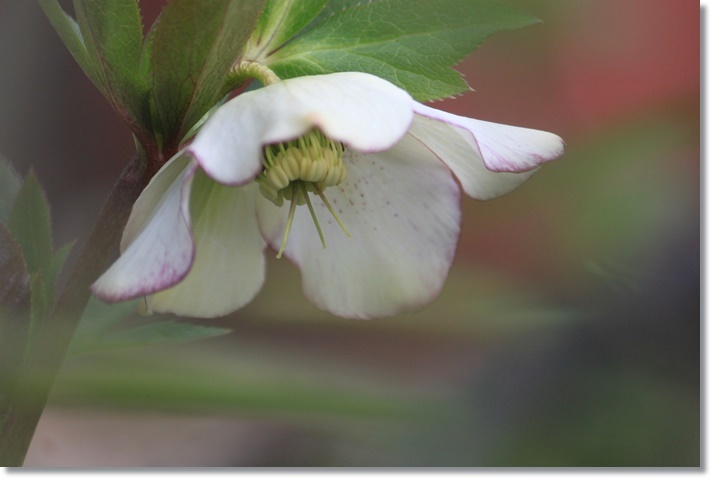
(455, 148)
(144, 207)
(402, 210)
(475, 149)
(229, 266)
(157, 244)
(363, 111)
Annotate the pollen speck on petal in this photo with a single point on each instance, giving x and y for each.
(398, 255)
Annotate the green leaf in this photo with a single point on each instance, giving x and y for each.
(194, 46)
(70, 34)
(29, 222)
(9, 186)
(57, 263)
(281, 20)
(412, 43)
(14, 280)
(97, 320)
(42, 303)
(14, 300)
(98, 329)
(113, 36)
(159, 332)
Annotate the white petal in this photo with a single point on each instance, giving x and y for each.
(402, 210)
(363, 111)
(158, 248)
(489, 159)
(144, 207)
(229, 266)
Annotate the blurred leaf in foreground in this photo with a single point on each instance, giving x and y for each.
(101, 328)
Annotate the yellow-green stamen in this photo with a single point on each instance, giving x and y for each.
(331, 209)
(313, 214)
(293, 169)
(292, 208)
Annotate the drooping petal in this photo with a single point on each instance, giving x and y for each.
(489, 159)
(363, 111)
(229, 266)
(402, 210)
(157, 248)
(454, 149)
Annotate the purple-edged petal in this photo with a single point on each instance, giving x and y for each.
(459, 154)
(229, 266)
(489, 159)
(157, 248)
(363, 111)
(402, 210)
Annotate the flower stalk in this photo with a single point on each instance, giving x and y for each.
(32, 390)
(246, 70)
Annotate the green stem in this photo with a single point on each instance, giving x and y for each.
(247, 70)
(32, 390)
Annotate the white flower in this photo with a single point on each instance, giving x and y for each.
(365, 174)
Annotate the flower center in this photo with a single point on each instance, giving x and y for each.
(293, 169)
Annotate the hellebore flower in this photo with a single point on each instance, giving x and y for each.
(344, 173)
